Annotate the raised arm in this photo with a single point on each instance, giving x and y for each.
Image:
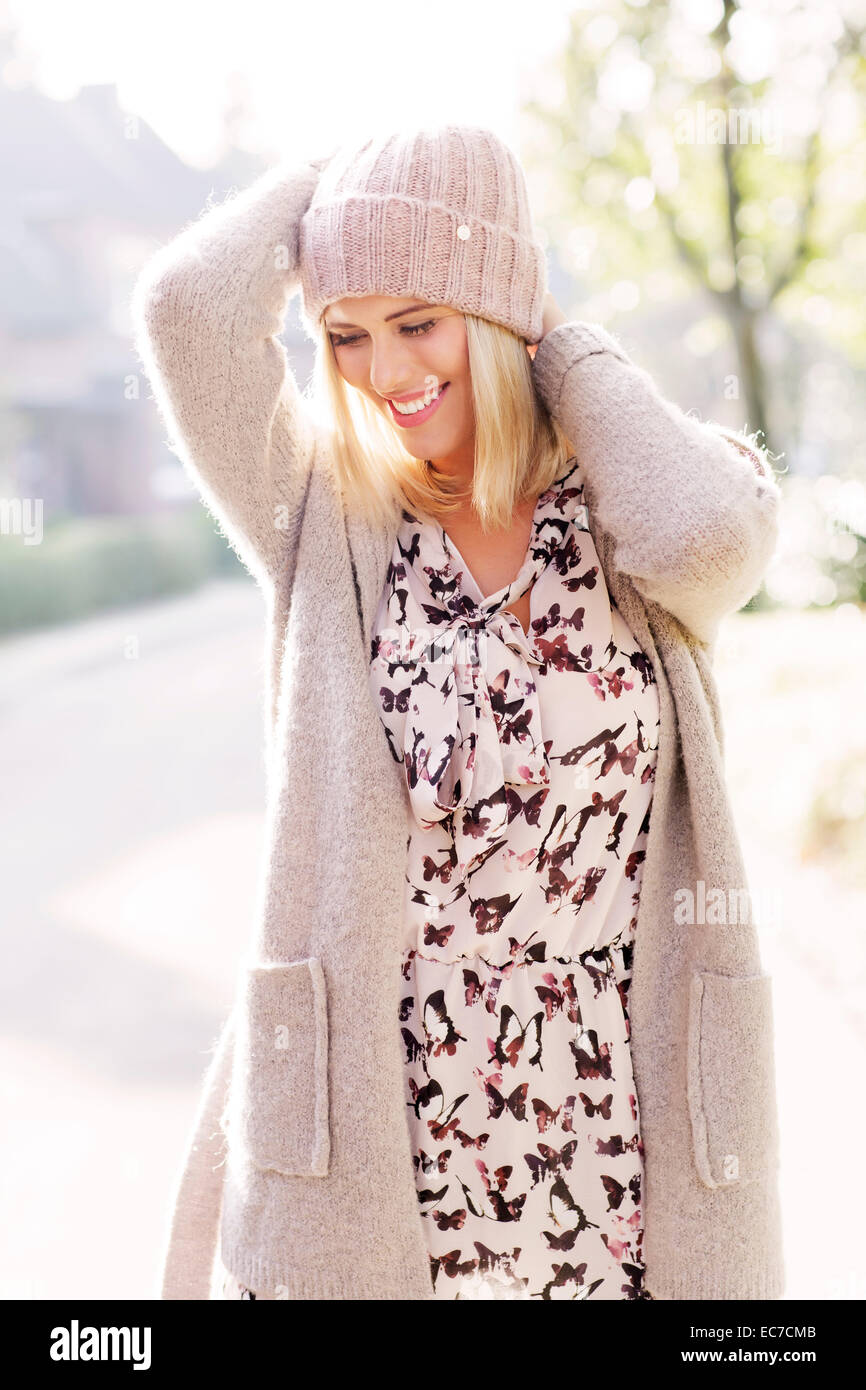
(206, 310)
(692, 507)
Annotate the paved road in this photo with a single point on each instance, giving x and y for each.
(131, 765)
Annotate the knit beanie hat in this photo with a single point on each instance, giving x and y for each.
(440, 213)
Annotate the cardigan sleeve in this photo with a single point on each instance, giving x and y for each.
(206, 309)
(692, 508)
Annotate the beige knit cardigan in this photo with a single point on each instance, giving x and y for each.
(298, 1170)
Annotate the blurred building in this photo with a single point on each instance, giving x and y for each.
(89, 192)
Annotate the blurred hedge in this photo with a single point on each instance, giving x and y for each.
(90, 564)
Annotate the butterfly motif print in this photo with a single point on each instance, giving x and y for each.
(499, 1139)
(455, 676)
(529, 759)
(518, 795)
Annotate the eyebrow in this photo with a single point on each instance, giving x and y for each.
(413, 309)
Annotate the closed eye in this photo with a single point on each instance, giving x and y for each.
(411, 330)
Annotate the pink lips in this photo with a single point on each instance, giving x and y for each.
(409, 421)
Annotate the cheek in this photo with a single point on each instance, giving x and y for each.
(459, 371)
(351, 369)
(455, 357)
(450, 362)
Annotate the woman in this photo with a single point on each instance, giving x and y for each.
(482, 1045)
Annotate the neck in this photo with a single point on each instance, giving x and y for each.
(459, 477)
(457, 467)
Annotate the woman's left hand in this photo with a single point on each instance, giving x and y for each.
(551, 317)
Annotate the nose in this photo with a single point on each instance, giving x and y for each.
(392, 371)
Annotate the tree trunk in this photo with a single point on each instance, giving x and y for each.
(751, 372)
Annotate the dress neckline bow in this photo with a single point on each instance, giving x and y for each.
(456, 673)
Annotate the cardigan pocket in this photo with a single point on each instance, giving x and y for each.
(731, 1078)
(277, 1111)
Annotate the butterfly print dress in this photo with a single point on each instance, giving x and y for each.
(530, 761)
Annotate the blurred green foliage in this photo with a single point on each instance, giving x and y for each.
(713, 154)
(89, 564)
(820, 558)
(835, 829)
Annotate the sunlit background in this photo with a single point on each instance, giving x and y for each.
(697, 171)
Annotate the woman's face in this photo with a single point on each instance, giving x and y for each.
(408, 351)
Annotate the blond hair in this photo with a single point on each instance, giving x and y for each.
(519, 447)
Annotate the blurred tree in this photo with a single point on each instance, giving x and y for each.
(731, 135)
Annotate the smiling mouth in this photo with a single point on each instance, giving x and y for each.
(416, 416)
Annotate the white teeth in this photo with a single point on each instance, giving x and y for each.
(412, 407)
